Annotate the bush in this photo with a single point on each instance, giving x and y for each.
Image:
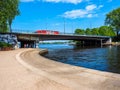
(3, 45)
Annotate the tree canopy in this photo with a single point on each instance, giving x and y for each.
(95, 31)
(79, 31)
(102, 31)
(8, 11)
(113, 19)
(88, 31)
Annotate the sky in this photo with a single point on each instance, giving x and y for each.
(59, 14)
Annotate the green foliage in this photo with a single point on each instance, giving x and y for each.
(8, 11)
(79, 31)
(3, 44)
(106, 31)
(88, 31)
(113, 19)
(95, 31)
(103, 31)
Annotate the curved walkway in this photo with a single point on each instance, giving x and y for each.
(40, 73)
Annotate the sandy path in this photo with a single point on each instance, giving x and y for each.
(77, 78)
(33, 72)
(13, 76)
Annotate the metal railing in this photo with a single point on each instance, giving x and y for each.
(60, 33)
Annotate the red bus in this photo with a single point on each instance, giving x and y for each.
(47, 32)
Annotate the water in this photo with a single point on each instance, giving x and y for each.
(104, 59)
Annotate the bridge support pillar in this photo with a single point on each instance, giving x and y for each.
(101, 43)
(109, 41)
(36, 44)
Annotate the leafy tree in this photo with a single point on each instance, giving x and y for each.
(8, 11)
(103, 30)
(88, 31)
(106, 31)
(13, 11)
(3, 18)
(111, 32)
(80, 31)
(113, 19)
(95, 31)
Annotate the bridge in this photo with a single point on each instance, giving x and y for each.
(32, 38)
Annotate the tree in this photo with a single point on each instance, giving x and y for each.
(113, 19)
(13, 11)
(80, 31)
(3, 18)
(111, 31)
(95, 31)
(106, 31)
(88, 31)
(103, 30)
(8, 11)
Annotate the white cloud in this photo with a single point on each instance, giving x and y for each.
(64, 1)
(26, 0)
(92, 15)
(89, 15)
(88, 12)
(100, 6)
(75, 13)
(91, 7)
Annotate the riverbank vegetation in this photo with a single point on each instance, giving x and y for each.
(102, 31)
(113, 20)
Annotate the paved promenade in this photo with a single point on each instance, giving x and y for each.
(25, 69)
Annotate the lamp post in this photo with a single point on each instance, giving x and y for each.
(64, 25)
(72, 27)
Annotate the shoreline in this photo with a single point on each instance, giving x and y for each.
(28, 70)
(44, 51)
(59, 72)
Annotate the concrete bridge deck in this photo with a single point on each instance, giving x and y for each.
(35, 36)
(32, 38)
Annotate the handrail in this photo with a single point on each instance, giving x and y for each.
(61, 33)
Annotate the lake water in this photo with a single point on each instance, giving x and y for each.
(104, 59)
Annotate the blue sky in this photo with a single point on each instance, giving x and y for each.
(51, 14)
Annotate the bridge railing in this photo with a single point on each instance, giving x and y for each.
(21, 31)
(61, 33)
(73, 34)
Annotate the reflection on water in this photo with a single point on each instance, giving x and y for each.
(105, 59)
